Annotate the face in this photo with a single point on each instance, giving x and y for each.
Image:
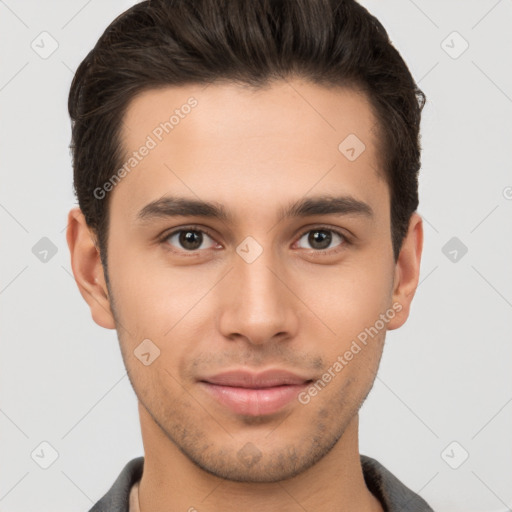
(297, 275)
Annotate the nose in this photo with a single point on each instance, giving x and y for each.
(258, 304)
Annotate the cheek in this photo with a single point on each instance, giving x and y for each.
(144, 290)
(158, 302)
(156, 308)
(348, 297)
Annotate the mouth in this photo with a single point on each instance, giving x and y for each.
(252, 394)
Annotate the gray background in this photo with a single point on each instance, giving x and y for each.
(444, 389)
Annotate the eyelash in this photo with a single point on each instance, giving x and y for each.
(345, 239)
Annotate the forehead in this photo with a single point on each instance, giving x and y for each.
(270, 144)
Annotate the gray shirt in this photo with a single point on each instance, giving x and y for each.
(393, 494)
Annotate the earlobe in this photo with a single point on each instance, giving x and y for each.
(87, 268)
(407, 270)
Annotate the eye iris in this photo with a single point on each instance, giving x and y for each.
(324, 238)
(191, 239)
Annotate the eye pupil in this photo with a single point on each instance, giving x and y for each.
(324, 238)
(191, 239)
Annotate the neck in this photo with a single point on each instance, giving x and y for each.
(171, 481)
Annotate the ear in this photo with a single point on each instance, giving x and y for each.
(407, 271)
(87, 268)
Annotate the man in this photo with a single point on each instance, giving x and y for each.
(246, 172)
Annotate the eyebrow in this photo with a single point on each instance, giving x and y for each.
(170, 206)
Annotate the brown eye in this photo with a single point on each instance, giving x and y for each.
(321, 239)
(188, 239)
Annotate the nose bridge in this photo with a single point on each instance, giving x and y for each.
(260, 305)
(258, 285)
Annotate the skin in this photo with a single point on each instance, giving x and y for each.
(292, 308)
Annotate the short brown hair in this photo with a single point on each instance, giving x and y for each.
(159, 43)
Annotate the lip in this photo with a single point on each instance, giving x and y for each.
(255, 394)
